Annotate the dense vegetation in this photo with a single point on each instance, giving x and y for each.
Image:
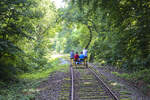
(115, 32)
(25, 32)
(27, 29)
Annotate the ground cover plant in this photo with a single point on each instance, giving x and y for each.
(26, 88)
(139, 79)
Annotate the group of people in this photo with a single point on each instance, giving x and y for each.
(78, 58)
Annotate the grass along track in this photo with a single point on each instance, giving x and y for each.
(88, 87)
(86, 84)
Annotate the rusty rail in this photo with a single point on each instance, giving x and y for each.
(72, 84)
(113, 95)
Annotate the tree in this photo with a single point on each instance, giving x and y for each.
(24, 35)
(120, 30)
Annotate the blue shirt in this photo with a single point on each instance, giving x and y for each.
(81, 56)
(71, 54)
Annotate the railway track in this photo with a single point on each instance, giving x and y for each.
(87, 85)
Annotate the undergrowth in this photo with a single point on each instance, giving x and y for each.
(26, 87)
(140, 78)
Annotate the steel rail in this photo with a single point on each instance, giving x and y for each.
(72, 84)
(104, 84)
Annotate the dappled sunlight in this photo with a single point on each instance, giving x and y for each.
(114, 84)
(58, 55)
(29, 91)
(87, 83)
(39, 74)
(59, 3)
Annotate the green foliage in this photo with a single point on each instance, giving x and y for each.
(122, 28)
(25, 28)
(142, 75)
(15, 92)
(45, 71)
(26, 87)
(123, 75)
(115, 32)
(77, 29)
(139, 78)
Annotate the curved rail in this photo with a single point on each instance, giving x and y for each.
(72, 84)
(105, 86)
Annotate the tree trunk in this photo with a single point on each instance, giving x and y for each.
(90, 30)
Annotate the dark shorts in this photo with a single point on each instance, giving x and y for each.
(76, 60)
(85, 57)
(81, 59)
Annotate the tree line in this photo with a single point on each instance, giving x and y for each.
(115, 32)
(25, 32)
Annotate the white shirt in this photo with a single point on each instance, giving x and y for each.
(85, 52)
